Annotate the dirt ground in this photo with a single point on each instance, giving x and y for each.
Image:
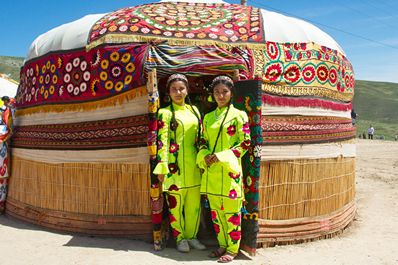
(371, 239)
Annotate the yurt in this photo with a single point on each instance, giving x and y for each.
(85, 131)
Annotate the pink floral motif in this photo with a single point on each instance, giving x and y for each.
(172, 201)
(235, 219)
(235, 235)
(175, 233)
(173, 188)
(273, 72)
(236, 152)
(172, 168)
(160, 144)
(213, 215)
(174, 147)
(160, 124)
(216, 228)
(246, 128)
(231, 130)
(233, 194)
(172, 218)
(234, 176)
(245, 144)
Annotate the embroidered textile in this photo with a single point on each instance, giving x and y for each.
(185, 23)
(103, 134)
(196, 61)
(304, 69)
(305, 129)
(78, 76)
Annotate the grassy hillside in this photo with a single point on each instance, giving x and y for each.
(11, 66)
(376, 103)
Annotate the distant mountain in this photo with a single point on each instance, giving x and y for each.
(375, 102)
(10, 66)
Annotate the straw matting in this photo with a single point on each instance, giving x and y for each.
(84, 188)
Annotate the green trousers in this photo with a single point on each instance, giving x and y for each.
(184, 209)
(226, 217)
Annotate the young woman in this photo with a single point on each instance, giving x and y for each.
(225, 139)
(178, 133)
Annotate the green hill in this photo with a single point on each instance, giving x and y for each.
(375, 102)
(10, 66)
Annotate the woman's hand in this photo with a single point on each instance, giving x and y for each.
(211, 159)
(161, 177)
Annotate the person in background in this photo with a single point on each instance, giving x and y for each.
(179, 127)
(226, 138)
(354, 116)
(5, 134)
(371, 132)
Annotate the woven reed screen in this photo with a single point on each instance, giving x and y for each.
(305, 187)
(87, 188)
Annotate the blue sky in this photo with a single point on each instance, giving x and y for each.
(367, 30)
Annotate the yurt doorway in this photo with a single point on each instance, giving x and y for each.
(247, 98)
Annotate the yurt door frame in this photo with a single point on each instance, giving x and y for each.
(247, 98)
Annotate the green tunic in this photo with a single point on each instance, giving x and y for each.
(181, 143)
(224, 178)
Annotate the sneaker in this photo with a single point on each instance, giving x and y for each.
(194, 243)
(183, 246)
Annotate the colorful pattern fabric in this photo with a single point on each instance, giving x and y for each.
(184, 212)
(305, 69)
(4, 164)
(224, 178)
(305, 129)
(226, 218)
(103, 134)
(189, 23)
(78, 76)
(248, 98)
(176, 152)
(305, 102)
(176, 157)
(197, 61)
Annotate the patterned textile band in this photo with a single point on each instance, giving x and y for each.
(79, 76)
(305, 129)
(180, 23)
(305, 102)
(116, 133)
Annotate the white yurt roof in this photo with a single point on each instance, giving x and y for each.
(8, 87)
(277, 28)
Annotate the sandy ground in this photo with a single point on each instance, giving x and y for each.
(371, 239)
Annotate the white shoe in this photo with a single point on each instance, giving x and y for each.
(183, 246)
(194, 243)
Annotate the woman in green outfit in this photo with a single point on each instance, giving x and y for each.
(226, 138)
(178, 133)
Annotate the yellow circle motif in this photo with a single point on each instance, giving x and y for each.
(128, 79)
(126, 57)
(41, 79)
(114, 56)
(130, 68)
(48, 64)
(103, 76)
(119, 86)
(112, 28)
(52, 89)
(42, 90)
(46, 94)
(55, 79)
(43, 69)
(52, 68)
(109, 85)
(104, 64)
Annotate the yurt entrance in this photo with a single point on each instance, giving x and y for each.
(247, 98)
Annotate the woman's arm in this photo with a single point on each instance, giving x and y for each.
(163, 143)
